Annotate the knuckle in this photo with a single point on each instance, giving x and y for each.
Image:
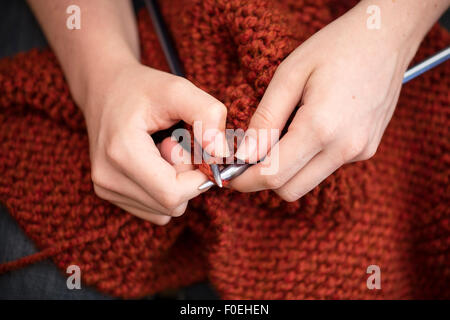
(178, 84)
(288, 195)
(100, 192)
(219, 108)
(239, 186)
(170, 201)
(217, 111)
(273, 181)
(161, 220)
(355, 147)
(114, 150)
(264, 117)
(178, 211)
(369, 152)
(98, 178)
(323, 129)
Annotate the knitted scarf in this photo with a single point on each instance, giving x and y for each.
(391, 211)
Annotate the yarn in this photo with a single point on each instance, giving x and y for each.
(391, 211)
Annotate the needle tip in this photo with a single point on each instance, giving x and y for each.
(216, 173)
(206, 185)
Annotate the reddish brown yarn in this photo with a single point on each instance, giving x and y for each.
(392, 211)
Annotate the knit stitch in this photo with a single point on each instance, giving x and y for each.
(392, 210)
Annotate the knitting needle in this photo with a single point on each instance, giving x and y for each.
(164, 38)
(215, 170)
(227, 174)
(216, 173)
(235, 170)
(172, 58)
(427, 64)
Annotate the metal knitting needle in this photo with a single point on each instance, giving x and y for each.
(427, 64)
(215, 170)
(216, 173)
(171, 57)
(235, 170)
(164, 37)
(228, 173)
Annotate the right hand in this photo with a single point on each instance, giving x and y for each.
(128, 169)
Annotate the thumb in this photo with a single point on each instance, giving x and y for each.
(279, 101)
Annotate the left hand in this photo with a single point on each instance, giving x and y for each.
(348, 80)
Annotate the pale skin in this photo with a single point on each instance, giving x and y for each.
(123, 101)
(347, 78)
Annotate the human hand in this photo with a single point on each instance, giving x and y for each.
(347, 80)
(122, 109)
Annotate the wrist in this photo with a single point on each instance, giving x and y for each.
(402, 25)
(406, 21)
(92, 75)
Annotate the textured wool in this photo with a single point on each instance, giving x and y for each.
(391, 211)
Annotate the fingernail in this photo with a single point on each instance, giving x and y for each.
(247, 148)
(219, 146)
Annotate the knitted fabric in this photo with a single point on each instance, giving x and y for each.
(391, 211)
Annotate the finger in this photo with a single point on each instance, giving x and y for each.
(278, 103)
(174, 153)
(298, 146)
(153, 218)
(317, 170)
(110, 184)
(115, 197)
(205, 113)
(136, 155)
